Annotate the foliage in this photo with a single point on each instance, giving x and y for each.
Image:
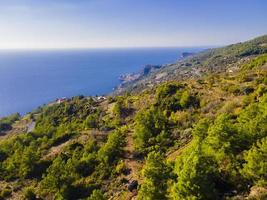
(255, 167)
(93, 120)
(155, 173)
(150, 129)
(196, 177)
(253, 120)
(6, 122)
(121, 108)
(97, 195)
(113, 147)
(257, 62)
(59, 178)
(5, 192)
(29, 194)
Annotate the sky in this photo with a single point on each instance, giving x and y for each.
(35, 24)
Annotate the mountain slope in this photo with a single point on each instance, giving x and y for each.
(213, 60)
(200, 137)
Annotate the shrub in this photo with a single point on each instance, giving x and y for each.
(97, 195)
(29, 194)
(6, 122)
(257, 62)
(92, 121)
(187, 100)
(4, 193)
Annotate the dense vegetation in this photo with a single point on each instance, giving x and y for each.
(200, 138)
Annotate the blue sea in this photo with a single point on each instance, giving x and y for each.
(29, 79)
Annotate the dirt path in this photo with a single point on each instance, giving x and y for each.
(134, 165)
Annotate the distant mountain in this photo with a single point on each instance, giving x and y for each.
(187, 54)
(211, 60)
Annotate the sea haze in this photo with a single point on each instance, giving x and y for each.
(29, 79)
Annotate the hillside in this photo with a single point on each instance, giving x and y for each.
(212, 60)
(197, 131)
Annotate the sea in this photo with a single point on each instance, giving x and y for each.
(32, 78)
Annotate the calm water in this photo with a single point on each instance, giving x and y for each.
(29, 79)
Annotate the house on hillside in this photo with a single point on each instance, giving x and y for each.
(62, 100)
(99, 98)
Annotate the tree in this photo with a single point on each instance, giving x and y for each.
(255, 168)
(113, 147)
(92, 120)
(188, 100)
(200, 130)
(196, 174)
(253, 121)
(119, 109)
(223, 137)
(59, 178)
(149, 124)
(155, 173)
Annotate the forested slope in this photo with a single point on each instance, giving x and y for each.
(201, 136)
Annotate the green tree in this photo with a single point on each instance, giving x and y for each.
(200, 130)
(59, 178)
(92, 121)
(119, 109)
(253, 121)
(223, 137)
(113, 148)
(196, 174)
(155, 173)
(255, 168)
(187, 100)
(149, 124)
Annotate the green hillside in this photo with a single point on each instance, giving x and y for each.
(209, 61)
(196, 129)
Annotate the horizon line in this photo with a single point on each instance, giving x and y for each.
(115, 47)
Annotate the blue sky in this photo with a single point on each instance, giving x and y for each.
(129, 23)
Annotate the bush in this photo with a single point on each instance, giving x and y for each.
(97, 195)
(6, 122)
(187, 100)
(92, 121)
(4, 193)
(29, 194)
(257, 62)
(120, 108)
(223, 138)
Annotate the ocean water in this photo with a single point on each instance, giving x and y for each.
(29, 79)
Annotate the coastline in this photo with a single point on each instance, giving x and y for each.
(40, 74)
